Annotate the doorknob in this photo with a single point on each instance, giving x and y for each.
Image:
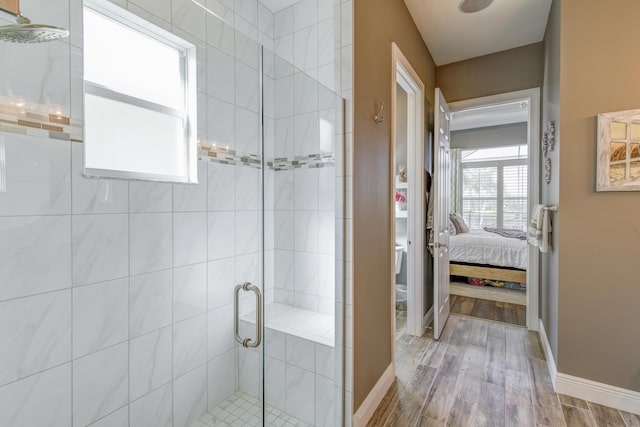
(247, 342)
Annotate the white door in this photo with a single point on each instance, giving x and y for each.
(441, 192)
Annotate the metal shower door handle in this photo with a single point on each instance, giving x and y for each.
(246, 342)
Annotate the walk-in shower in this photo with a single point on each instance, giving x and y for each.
(132, 302)
(297, 370)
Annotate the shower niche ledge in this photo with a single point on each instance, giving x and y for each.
(306, 324)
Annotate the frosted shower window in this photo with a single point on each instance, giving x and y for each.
(139, 98)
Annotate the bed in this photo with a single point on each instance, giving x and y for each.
(486, 255)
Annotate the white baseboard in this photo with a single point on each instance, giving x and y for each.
(375, 396)
(603, 394)
(428, 318)
(551, 362)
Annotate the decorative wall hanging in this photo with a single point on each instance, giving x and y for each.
(618, 161)
(378, 117)
(549, 138)
(551, 135)
(547, 171)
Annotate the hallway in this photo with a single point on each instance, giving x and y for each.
(481, 373)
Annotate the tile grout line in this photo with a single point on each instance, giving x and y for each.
(129, 303)
(173, 203)
(206, 283)
(71, 292)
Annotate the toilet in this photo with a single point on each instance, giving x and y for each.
(401, 289)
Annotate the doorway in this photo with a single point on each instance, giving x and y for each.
(408, 203)
(495, 184)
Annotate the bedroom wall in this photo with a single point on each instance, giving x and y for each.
(506, 71)
(549, 193)
(492, 136)
(378, 23)
(598, 289)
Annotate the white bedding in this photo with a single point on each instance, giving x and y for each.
(482, 247)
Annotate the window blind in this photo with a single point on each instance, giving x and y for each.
(494, 188)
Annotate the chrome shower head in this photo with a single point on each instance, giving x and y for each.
(26, 32)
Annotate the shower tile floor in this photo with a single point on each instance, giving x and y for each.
(240, 410)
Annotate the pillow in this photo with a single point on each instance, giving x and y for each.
(452, 228)
(458, 221)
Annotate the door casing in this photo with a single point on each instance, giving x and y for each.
(404, 75)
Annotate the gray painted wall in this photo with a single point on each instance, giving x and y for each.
(492, 136)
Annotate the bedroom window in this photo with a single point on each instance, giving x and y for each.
(494, 187)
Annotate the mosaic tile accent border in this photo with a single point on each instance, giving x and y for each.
(231, 157)
(319, 160)
(16, 117)
(227, 156)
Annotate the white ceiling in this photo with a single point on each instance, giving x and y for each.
(453, 36)
(492, 115)
(277, 5)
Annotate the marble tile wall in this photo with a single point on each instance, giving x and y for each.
(305, 35)
(119, 292)
(295, 32)
(308, 120)
(116, 296)
(299, 377)
(124, 293)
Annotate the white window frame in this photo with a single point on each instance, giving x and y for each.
(188, 79)
(499, 165)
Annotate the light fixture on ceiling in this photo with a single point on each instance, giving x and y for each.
(473, 6)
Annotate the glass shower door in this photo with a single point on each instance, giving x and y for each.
(276, 151)
(302, 212)
(233, 148)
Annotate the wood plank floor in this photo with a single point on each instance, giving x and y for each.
(514, 314)
(481, 373)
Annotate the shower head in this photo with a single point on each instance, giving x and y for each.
(26, 32)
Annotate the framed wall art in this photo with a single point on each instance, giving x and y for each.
(618, 156)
